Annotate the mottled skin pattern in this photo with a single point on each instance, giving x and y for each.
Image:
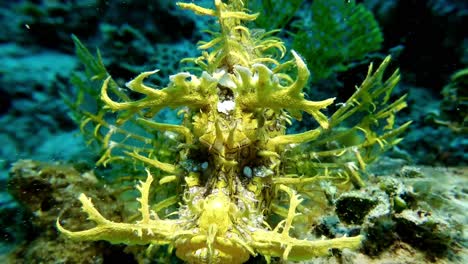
(234, 132)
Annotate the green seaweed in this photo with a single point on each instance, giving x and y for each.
(274, 14)
(334, 35)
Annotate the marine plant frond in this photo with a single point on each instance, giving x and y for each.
(274, 14)
(116, 135)
(94, 67)
(334, 34)
(372, 131)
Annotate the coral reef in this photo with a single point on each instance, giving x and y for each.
(47, 190)
(419, 207)
(34, 106)
(35, 47)
(412, 214)
(408, 223)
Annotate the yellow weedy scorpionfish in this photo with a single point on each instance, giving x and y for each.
(236, 166)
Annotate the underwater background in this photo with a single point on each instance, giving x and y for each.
(428, 41)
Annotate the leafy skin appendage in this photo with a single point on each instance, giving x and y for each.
(234, 164)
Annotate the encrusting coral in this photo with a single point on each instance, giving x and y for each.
(234, 165)
(46, 190)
